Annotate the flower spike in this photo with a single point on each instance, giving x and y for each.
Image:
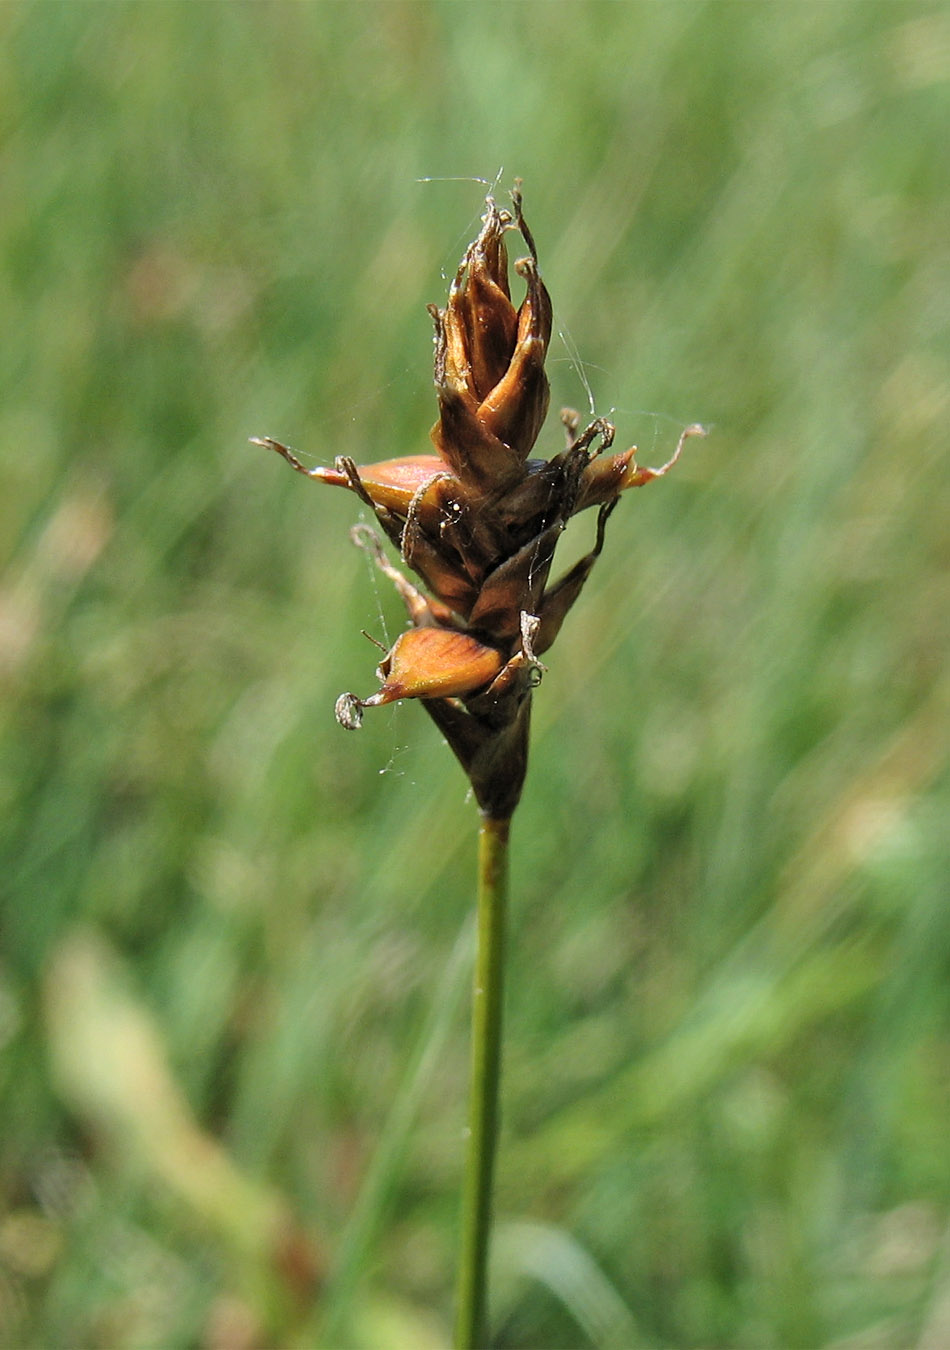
(479, 521)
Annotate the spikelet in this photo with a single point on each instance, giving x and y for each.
(479, 521)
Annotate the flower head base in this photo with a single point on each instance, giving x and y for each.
(479, 520)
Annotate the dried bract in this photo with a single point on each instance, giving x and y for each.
(479, 521)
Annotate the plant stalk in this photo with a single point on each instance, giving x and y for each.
(487, 999)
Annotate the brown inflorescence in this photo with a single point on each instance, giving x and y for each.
(479, 521)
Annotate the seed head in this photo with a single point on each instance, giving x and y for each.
(479, 521)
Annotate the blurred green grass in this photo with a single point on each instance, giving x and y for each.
(233, 972)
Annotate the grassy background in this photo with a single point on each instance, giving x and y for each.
(235, 940)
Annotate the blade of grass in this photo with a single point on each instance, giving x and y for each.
(371, 1208)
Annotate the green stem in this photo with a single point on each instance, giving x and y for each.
(486, 1070)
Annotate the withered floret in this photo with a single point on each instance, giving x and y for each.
(479, 520)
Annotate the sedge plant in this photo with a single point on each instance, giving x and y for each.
(478, 522)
